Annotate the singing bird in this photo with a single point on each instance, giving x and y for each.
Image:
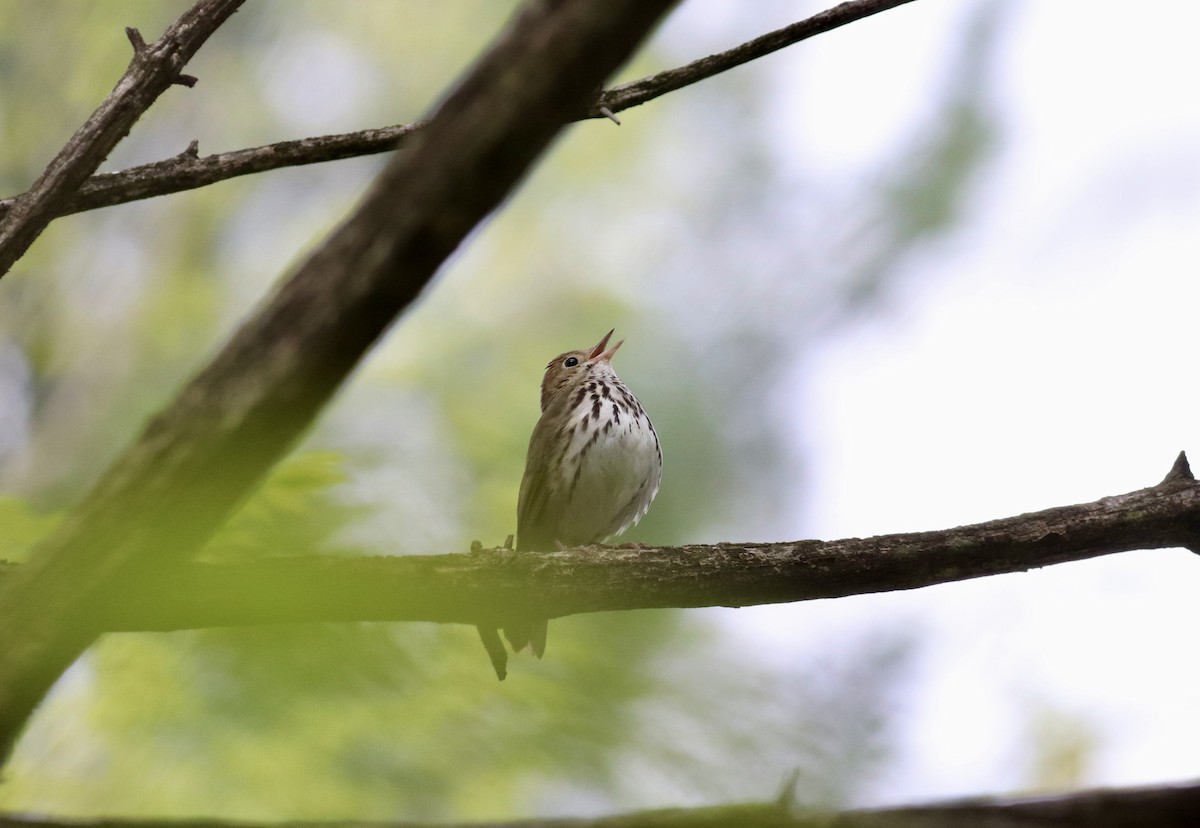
(593, 467)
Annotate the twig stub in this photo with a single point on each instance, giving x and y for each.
(136, 40)
(1180, 473)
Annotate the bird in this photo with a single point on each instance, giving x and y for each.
(593, 467)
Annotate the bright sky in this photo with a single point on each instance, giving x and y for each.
(1049, 352)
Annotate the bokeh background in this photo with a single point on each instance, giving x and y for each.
(936, 267)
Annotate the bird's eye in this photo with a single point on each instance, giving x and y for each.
(571, 362)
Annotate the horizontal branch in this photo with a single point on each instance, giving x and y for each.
(492, 586)
(189, 171)
(1165, 806)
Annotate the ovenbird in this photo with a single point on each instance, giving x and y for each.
(593, 466)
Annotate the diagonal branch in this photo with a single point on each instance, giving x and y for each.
(188, 171)
(489, 587)
(638, 92)
(200, 457)
(152, 70)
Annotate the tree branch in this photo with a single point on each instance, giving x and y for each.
(1162, 806)
(199, 458)
(638, 92)
(188, 171)
(494, 586)
(1165, 806)
(152, 70)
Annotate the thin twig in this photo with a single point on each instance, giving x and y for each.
(177, 174)
(638, 92)
(152, 70)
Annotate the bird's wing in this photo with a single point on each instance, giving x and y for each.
(535, 511)
(536, 527)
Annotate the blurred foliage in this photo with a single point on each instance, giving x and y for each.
(20, 528)
(1062, 747)
(291, 513)
(718, 271)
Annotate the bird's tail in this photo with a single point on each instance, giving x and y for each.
(532, 632)
(495, 650)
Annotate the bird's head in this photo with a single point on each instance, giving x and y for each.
(567, 370)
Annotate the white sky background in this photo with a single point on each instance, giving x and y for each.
(1048, 350)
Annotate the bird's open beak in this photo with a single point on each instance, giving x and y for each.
(598, 353)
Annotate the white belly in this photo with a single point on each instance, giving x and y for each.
(619, 471)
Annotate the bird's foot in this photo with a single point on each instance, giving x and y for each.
(502, 554)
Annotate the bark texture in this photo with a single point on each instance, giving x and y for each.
(497, 586)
